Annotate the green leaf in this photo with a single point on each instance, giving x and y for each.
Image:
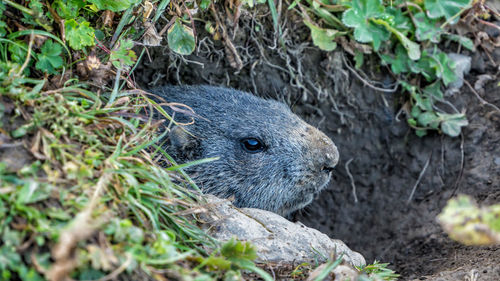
(462, 40)
(114, 5)
(427, 29)
(420, 133)
(49, 58)
(447, 8)
(359, 58)
(323, 38)
(452, 123)
(327, 16)
(79, 35)
(415, 112)
(422, 102)
(434, 65)
(18, 51)
(234, 249)
(411, 47)
(399, 63)
(399, 20)
(33, 192)
(217, 263)
(428, 119)
(358, 17)
(434, 90)
(31, 275)
(444, 68)
(8, 255)
(68, 9)
(412, 122)
(122, 55)
(3, 31)
(181, 38)
(204, 4)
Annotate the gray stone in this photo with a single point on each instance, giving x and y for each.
(462, 67)
(496, 160)
(277, 239)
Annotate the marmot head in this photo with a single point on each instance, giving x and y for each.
(268, 157)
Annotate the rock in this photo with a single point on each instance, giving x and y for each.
(276, 239)
(497, 161)
(462, 67)
(478, 63)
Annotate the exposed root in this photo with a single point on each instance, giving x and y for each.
(369, 83)
(462, 163)
(483, 102)
(353, 185)
(419, 179)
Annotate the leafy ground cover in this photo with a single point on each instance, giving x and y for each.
(81, 194)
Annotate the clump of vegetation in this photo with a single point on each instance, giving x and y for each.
(93, 203)
(406, 36)
(470, 224)
(88, 200)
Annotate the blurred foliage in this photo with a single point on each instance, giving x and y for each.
(469, 224)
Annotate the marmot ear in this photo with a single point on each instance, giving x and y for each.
(184, 143)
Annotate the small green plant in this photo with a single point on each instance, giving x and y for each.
(49, 58)
(405, 36)
(469, 224)
(79, 35)
(181, 38)
(377, 271)
(234, 256)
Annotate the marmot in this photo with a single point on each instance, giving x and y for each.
(268, 157)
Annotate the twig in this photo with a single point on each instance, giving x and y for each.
(368, 83)
(410, 4)
(101, 46)
(167, 26)
(25, 64)
(58, 20)
(488, 23)
(10, 145)
(479, 97)
(448, 21)
(352, 180)
(462, 162)
(191, 19)
(419, 179)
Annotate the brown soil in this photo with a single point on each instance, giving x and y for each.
(384, 155)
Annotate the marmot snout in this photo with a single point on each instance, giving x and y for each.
(268, 157)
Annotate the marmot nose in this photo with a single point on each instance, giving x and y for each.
(324, 154)
(330, 157)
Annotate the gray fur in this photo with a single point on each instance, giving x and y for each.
(285, 177)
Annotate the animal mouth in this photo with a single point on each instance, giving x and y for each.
(324, 184)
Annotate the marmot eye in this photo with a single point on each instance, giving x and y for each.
(252, 145)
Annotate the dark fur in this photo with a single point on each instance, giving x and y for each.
(295, 165)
